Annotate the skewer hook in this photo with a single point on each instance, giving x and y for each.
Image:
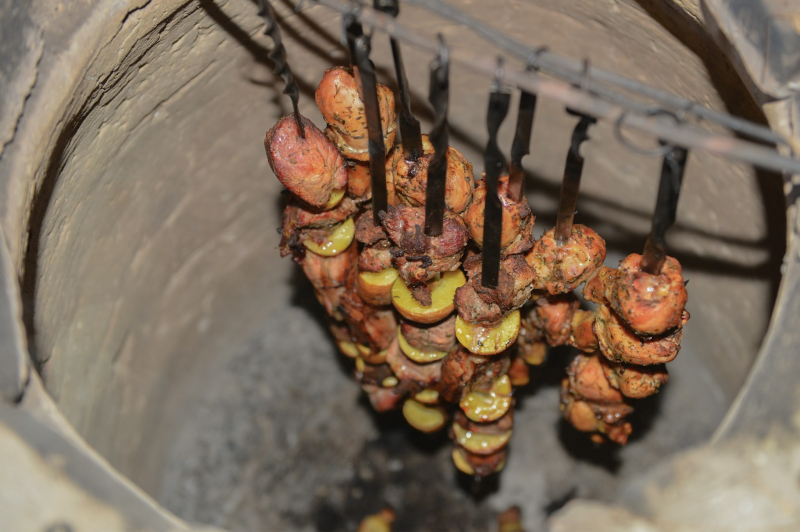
(410, 133)
(571, 184)
(278, 56)
(499, 102)
(669, 188)
(437, 171)
(377, 150)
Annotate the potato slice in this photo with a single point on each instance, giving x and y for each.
(483, 407)
(461, 462)
(376, 288)
(463, 466)
(417, 355)
(336, 196)
(443, 291)
(429, 397)
(349, 349)
(422, 417)
(480, 443)
(339, 239)
(488, 340)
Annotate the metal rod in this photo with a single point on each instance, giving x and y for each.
(669, 189)
(520, 147)
(499, 102)
(377, 150)
(278, 56)
(665, 129)
(571, 183)
(437, 170)
(410, 132)
(572, 71)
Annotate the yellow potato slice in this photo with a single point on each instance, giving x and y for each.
(484, 407)
(375, 288)
(336, 197)
(417, 355)
(480, 443)
(488, 340)
(349, 349)
(429, 397)
(461, 462)
(442, 292)
(421, 417)
(339, 238)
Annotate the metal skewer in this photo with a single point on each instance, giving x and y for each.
(377, 151)
(410, 133)
(278, 56)
(437, 170)
(571, 183)
(499, 102)
(669, 189)
(521, 145)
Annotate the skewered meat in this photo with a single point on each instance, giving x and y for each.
(553, 315)
(439, 336)
(375, 258)
(330, 272)
(311, 168)
(588, 380)
(384, 399)
(410, 178)
(367, 231)
(342, 108)
(517, 227)
(458, 368)
(649, 304)
(562, 269)
(422, 375)
(419, 257)
(636, 382)
(300, 222)
(331, 276)
(585, 416)
(582, 333)
(474, 309)
(372, 326)
(515, 282)
(519, 373)
(480, 465)
(375, 374)
(620, 344)
(359, 180)
(531, 346)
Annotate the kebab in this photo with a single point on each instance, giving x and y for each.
(638, 324)
(427, 254)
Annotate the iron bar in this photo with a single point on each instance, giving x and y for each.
(665, 129)
(572, 71)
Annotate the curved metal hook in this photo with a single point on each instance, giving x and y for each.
(532, 62)
(655, 152)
